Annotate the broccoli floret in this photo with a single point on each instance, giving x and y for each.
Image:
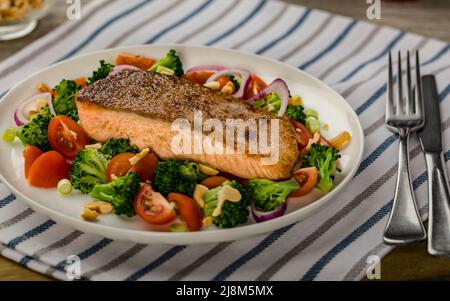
(324, 158)
(119, 193)
(267, 195)
(88, 169)
(102, 72)
(64, 103)
(296, 113)
(176, 176)
(35, 132)
(113, 147)
(171, 61)
(233, 213)
(270, 103)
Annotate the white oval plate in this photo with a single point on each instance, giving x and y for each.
(332, 109)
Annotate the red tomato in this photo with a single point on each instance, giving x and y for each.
(188, 210)
(82, 82)
(307, 178)
(213, 182)
(255, 86)
(66, 136)
(223, 80)
(199, 77)
(152, 207)
(120, 165)
(48, 169)
(141, 62)
(303, 134)
(30, 153)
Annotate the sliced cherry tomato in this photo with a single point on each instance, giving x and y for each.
(120, 165)
(48, 169)
(152, 207)
(255, 86)
(30, 153)
(145, 168)
(82, 82)
(188, 210)
(213, 182)
(223, 80)
(66, 136)
(307, 178)
(199, 77)
(303, 134)
(141, 62)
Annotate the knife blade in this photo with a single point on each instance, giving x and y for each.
(430, 138)
(430, 135)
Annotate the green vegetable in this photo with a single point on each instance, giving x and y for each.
(233, 213)
(64, 103)
(35, 132)
(236, 81)
(171, 61)
(88, 169)
(64, 187)
(113, 147)
(119, 193)
(9, 135)
(311, 113)
(296, 113)
(312, 124)
(270, 103)
(164, 70)
(324, 158)
(102, 72)
(267, 195)
(176, 176)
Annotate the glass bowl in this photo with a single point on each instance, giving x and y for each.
(25, 23)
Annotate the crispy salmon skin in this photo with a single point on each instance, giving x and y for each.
(142, 106)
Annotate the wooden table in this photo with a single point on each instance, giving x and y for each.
(404, 263)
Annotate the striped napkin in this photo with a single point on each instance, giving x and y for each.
(335, 242)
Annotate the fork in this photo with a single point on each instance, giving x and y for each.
(404, 115)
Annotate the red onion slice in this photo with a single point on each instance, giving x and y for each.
(120, 68)
(261, 216)
(20, 116)
(244, 75)
(279, 87)
(210, 68)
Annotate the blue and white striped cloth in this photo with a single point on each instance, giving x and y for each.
(334, 243)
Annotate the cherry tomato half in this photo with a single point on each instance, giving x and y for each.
(188, 210)
(141, 62)
(30, 153)
(303, 134)
(120, 165)
(255, 86)
(199, 77)
(152, 207)
(307, 178)
(48, 169)
(66, 136)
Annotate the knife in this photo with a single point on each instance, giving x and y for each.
(430, 138)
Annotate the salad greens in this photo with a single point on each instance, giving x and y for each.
(64, 103)
(35, 132)
(171, 61)
(296, 113)
(119, 193)
(324, 158)
(88, 169)
(270, 103)
(233, 213)
(114, 147)
(267, 195)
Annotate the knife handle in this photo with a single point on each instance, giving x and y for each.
(439, 205)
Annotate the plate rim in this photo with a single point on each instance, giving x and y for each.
(210, 236)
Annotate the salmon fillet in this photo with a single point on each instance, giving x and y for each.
(141, 106)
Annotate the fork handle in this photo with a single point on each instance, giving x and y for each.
(404, 224)
(439, 206)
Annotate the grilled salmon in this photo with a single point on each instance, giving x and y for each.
(141, 106)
